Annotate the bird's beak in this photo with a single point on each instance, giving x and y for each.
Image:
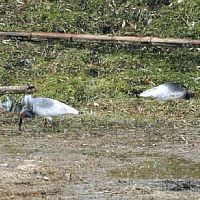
(20, 122)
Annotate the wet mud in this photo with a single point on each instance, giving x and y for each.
(118, 160)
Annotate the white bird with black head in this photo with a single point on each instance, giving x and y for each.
(168, 91)
(44, 107)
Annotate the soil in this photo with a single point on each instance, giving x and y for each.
(123, 160)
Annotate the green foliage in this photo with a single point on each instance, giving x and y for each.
(133, 17)
(78, 72)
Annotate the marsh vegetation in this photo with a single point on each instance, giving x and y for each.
(121, 147)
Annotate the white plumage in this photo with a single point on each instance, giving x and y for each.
(6, 104)
(44, 107)
(47, 107)
(168, 91)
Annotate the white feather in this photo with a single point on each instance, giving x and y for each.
(164, 92)
(156, 92)
(47, 107)
(28, 101)
(6, 104)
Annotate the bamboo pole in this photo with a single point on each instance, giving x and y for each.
(95, 38)
(25, 89)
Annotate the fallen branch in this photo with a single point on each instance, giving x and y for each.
(27, 89)
(95, 38)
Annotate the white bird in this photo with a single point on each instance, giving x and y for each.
(6, 104)
(168, 91)
(44, 107)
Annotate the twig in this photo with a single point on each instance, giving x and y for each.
(32, 36)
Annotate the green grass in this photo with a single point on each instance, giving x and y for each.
(78, 73)
(144, 17)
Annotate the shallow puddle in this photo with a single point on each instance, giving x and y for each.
(159, 167)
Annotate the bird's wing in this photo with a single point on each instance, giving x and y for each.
(47, 107)
(164, 92)
(156, 92)
(174, 91)
(177, 95)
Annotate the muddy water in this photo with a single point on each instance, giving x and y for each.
(155, 166)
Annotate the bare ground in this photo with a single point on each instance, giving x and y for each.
(116, 159)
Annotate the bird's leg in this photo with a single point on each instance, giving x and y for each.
(45, 122)
(49, 124)
(62, 118)
(20, 123)
(53, 126)
(25, 123)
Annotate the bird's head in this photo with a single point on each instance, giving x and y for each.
(190, 95)
(26, 113)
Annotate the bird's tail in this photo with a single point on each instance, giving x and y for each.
(145, 94)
